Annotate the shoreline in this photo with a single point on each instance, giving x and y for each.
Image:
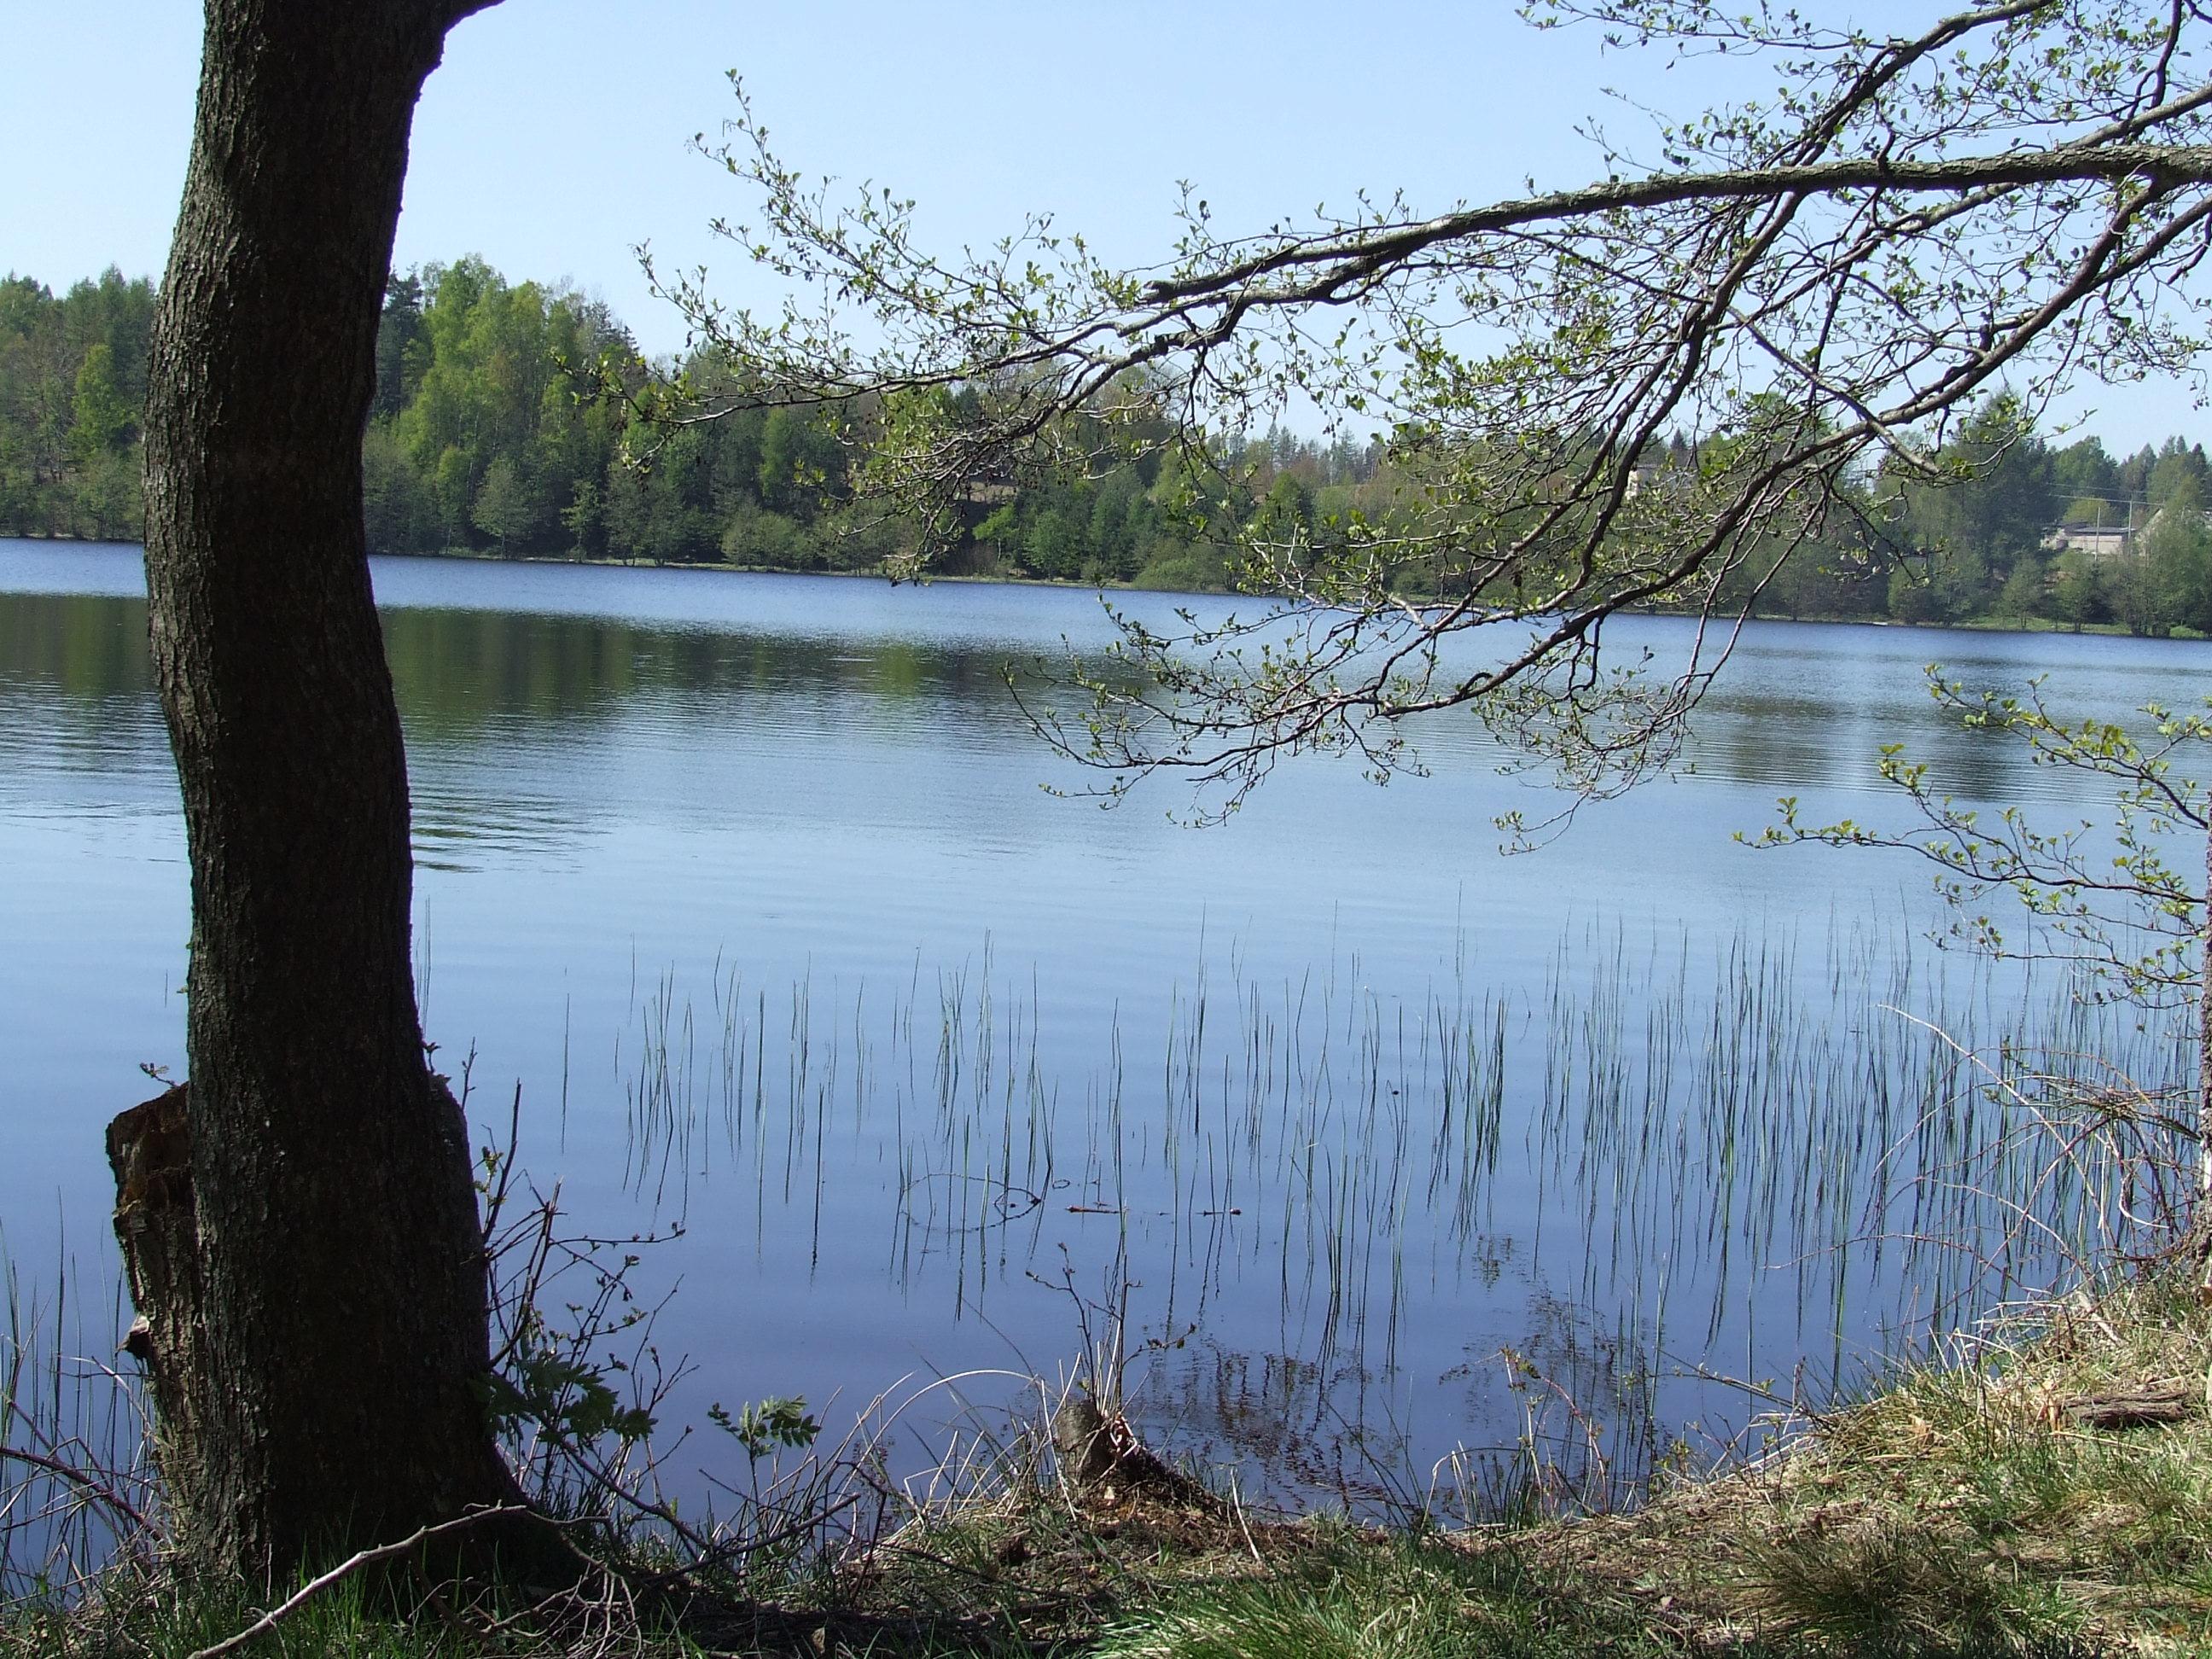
(2035, 1489)
(2032, 625)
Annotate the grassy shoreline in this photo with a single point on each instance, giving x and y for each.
(2041, 1487)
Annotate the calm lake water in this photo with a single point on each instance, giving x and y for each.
(749, 883)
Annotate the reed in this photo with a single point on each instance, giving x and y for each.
(1713, 1155)
(75, 1482)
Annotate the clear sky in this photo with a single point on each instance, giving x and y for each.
(554, 138)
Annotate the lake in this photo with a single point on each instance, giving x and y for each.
(750, 884)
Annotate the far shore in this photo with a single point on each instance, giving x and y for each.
(485, 556)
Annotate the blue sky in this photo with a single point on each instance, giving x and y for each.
(554, 138)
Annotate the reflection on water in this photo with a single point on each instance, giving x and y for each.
(751, 882)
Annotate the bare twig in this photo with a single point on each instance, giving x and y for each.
(83, 1479)
(345, 1569)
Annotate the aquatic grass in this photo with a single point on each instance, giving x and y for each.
(1901, 1141)
(75, 1479)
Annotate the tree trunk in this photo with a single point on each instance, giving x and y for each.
(323, 1394)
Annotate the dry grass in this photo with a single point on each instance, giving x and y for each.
(1959, 1507)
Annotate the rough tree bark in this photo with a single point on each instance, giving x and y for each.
(2201, 1222)
(318, 1332)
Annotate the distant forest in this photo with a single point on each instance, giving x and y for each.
(479, 442)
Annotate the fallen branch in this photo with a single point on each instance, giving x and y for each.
(2133, 1408)
(345, 1569)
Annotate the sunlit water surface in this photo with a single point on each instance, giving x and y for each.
(750, 884)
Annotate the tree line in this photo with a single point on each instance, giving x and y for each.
(1999, 524)
(500, 423)
(503, 425)
(72, 389)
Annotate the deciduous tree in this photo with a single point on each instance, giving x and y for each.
(300, 1220)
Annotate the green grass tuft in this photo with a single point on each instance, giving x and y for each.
(1895, 1587)
(1400, 1599)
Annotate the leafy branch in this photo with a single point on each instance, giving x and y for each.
(1811, 284)
(2103, 894)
